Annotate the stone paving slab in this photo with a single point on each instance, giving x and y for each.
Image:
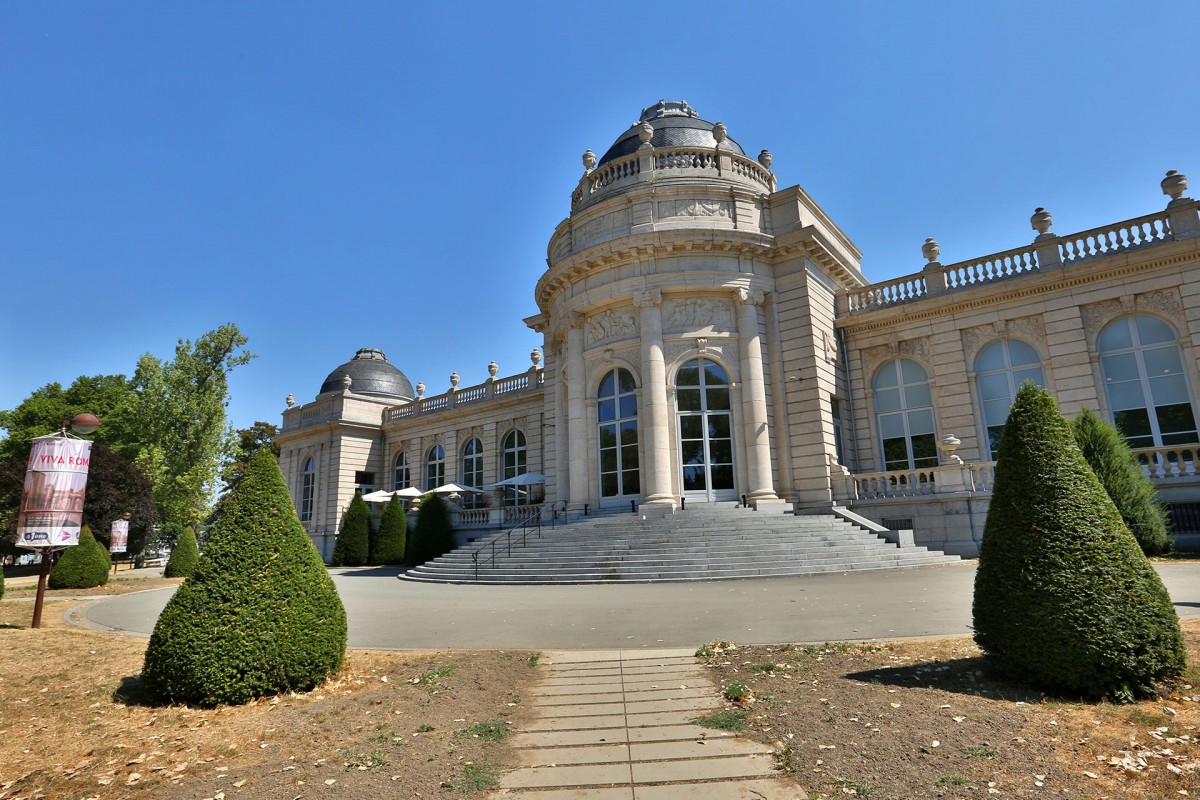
(693, 769)
(725, 790)
(577, 723)
(563, 756)
(667, 733)
(706, 748)
(579, 699)
(572, 738)
(687, 704)
(582, 709)
(548, 777)
(607, 793)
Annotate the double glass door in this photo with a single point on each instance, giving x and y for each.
(705, 425)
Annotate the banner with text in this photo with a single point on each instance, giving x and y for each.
(118, 539)
(52, 501)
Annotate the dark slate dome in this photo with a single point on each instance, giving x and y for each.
(676, 124)
(370, 373)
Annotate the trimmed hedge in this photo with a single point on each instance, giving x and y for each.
(259, 616)
(393, 532)
(1130, 489)
(354, 537)
(184, 556)
(83, 566)
(1064, 598)
(433, 535)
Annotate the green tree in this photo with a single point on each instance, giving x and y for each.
(1064, 597)
(354, 536)
(184, 557)
(178, 413)
(83, 566)
(259, 616)
(433, 535)
(393, 533)
(43, 412)
(1127, 485)
(248, 441)
(116, 487)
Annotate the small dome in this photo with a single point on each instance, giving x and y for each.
(370, 373)
(676, 124)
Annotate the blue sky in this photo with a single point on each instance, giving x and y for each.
(330, 176)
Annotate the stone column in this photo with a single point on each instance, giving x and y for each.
(655, 430)
(754, 398)
(576, 436)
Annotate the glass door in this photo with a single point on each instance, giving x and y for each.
(705, 426)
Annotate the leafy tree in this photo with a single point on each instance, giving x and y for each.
(184, 557)
(44, 410)
(83, 566)
(117, 487)
(1064, 597)
(433, 535)
(393, 532)
(1130, 489)
(178, 413)
(259, 616)
(354, 536)
(248, 442)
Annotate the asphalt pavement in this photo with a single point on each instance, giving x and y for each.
(387, 613)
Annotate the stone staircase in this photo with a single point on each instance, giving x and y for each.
(709, 543)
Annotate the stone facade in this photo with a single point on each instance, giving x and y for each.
(711, 338)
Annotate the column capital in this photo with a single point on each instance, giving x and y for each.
(748, 297)
(647, 297)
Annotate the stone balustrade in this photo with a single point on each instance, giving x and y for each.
(1115, 238)
(991, 268)
(700, 162)
(456, 398)
(1177, 462)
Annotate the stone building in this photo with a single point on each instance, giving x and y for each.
(710, 338)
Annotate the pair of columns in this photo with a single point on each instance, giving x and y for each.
(658, 488)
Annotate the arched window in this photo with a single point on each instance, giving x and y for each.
(514, 464)
(435, 467)
(1145, 383)
(616, 411)
(401, 479)
(705, 431)
(472, 471)
(308, 485)
(904, 415)
(1000, 369)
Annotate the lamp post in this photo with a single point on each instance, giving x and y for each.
(49, 497)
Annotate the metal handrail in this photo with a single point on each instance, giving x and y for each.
(534, 521)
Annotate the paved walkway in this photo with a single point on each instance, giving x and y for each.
(617, 725)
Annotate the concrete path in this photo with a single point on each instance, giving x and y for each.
(617, 725)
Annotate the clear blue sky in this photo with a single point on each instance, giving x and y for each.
(330, 176)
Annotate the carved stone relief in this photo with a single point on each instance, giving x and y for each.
(1163, 301)
(697, 314)
(1030, 329)
(677, 350)
(693, 209)
(916, 349)
(1096, 315)
(610, 325)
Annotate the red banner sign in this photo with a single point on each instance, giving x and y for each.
(52, 501)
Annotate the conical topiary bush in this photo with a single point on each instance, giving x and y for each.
(354, 536)
(260, 615)
(433, 535)
(83, 566)
(184, 556)
(393, 532)
(1130, 489)
(1064, 598)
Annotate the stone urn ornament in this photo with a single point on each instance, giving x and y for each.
(589, 160)
(346, 381)
(535, 356)
(454, 379)
(1174, 185)
(948, 445)
(1041, 221)
(493, 368)
(420, 390)
(766, 159)
(720, 133)
(645, 132)
(931, 250)
(290, 400)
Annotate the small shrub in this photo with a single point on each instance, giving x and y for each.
(83, 566)
(490, 731)
(736, 692)
(476, 778)
(431, 680)
(1064, 597)
(531, 661)
(260, 614)
(723, 720)
(354, 535)
(433, 536)
(1123, 479)
(393, 531)
(184, 557)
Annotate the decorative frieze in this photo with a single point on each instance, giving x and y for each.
(874, 357)
(1096, 315)
(1030, 329)
(698, 314)
(693, 209)
(609, 325)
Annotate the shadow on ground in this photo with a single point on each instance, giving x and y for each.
(961, 676)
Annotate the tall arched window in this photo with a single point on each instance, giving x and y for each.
(514, 464)
(1000, 369)
(308, 485)
(472, 471)
(435, 467)
(616, 411)
(705, 430)
(1145, 383)
(904, 415)
(401, 479)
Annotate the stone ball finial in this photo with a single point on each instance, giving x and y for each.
(645, 132)
(1174, 185)
(291, 400)
(589, 160)
(535, 356)
(454, 379)
(346, 381)
(931, 250)
(420, 389)
(766, 159)
(720, 132)
(493, 368)
(1041, 221)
